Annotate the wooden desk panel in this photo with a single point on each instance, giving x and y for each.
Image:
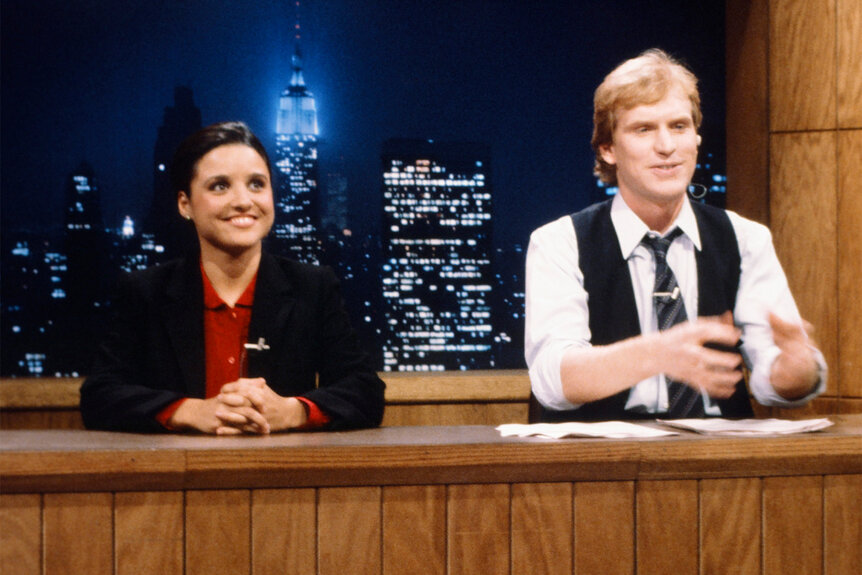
(430, 500)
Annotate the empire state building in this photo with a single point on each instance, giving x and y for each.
(296, 228)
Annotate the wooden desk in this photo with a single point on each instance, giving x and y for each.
(430, 500)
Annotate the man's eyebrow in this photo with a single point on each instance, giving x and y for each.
(639, 123)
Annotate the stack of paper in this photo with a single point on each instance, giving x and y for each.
(612, 429)
(718, 426)
(622, 429)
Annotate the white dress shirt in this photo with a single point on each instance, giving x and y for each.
(557, 316)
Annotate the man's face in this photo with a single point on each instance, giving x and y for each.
(655, 151)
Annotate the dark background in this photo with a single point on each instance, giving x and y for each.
(89, 79)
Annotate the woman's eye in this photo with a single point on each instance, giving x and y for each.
(218, 186)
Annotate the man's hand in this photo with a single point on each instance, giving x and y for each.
(684, 356)
(681, 353)
(795, 371)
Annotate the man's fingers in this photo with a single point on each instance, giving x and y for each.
(786, 329)
(714, 331)
(716, 360)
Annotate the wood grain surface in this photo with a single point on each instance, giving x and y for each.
(802, 62)
(489, 505)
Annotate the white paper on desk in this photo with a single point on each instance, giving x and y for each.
(719, 426)
(610, 429)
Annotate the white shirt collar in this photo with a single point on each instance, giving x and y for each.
(631, 229)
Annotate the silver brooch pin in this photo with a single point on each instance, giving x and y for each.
(261, 345)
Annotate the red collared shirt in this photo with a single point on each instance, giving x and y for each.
(225, 332)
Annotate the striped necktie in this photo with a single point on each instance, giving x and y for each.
(683, 401)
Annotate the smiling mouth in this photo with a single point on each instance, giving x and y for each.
(666, 170)
(242, 221)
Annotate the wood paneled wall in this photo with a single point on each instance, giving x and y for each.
(779, 525)
(794, 139)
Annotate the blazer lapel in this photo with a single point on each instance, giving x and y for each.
(273, 302)
(183, 317)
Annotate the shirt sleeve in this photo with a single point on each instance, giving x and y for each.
(557, 316)
(763, 288)
(164, 416)
(316, 417)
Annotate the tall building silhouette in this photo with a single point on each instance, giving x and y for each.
(164, 226)
(80, 276)
(297, 225)
(437, 275)
(85, 238)
(334, 220)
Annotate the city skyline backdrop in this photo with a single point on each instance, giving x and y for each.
(89, 81)
(503, 90)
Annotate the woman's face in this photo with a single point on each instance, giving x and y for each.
(229, 199)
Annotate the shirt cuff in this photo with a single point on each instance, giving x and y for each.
(765, 394)
(316, 418)
(164, 416)
(546, 383)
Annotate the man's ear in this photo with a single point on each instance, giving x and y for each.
(699, 139)
(607, 153)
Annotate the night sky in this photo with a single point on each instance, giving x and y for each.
(89, 80)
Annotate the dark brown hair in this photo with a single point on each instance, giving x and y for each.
(199, 144)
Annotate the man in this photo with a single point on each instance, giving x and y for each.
(607, 337)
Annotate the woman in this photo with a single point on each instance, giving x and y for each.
(229, 339)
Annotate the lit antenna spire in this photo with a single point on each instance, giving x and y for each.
(297, 111)
(296, 27)
(296, 60)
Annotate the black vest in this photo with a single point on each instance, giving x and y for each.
(612, 307)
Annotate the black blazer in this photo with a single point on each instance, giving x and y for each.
(153, 354)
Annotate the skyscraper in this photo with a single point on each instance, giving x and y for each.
(297, 227)
(334, 220)
(437, 273)
(84, 238)
(164, 225)
(85, 264)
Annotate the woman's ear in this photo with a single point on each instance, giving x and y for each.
(183, 205)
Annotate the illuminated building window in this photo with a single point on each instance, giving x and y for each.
(437, 217)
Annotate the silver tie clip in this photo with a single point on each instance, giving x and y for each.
(672, 295)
